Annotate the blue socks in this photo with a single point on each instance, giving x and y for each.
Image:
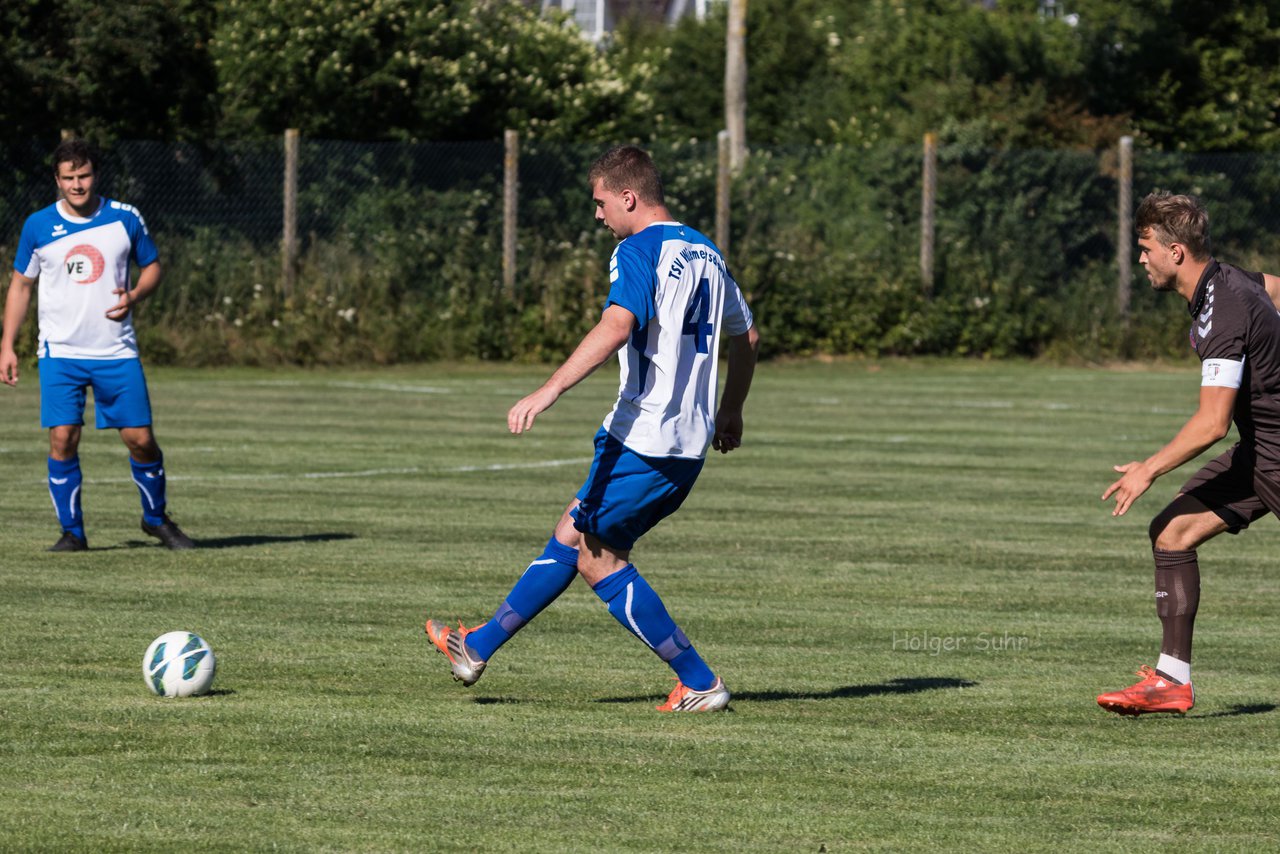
(65, 481)
(64, 488)
(150, 480)
(630, 600)
(542, 583)
(638, 608)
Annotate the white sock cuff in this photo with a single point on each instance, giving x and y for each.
(1180, 670)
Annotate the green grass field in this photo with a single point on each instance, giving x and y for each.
(905, 576)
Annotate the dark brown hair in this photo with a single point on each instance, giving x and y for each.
(77, 152)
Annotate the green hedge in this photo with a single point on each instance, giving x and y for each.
(402, 251)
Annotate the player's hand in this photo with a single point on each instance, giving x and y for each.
(9, 368)
(520, 417)
(121, 309)
(728, 434)
(1136, 480)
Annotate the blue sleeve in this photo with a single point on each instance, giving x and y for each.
(737, 315)
(633, 283)
(26, 247)
(142, 247)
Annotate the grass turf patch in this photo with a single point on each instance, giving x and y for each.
(905, 577)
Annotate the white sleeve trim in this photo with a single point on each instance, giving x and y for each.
(1222, 373)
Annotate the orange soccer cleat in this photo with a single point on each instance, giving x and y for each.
(1153, 693)
(452, 644)
(685, 699)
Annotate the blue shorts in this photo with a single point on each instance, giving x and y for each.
(626, 494)
(119, 392)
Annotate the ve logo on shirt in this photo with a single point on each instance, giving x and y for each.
(85, 264)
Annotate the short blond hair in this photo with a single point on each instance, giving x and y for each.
(1176, 219)
(628, 167)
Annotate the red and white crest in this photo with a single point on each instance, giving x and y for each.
(84, 264)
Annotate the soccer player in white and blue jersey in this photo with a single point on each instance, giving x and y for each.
(79, 250)
(670, 300)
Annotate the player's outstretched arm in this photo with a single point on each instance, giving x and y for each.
(148, 279)
(16, 304)
(743, 350)
(1209, 424)
(605, 339)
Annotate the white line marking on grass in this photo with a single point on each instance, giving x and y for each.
(320, 475)
(546, 464)
(367, 386)
(386, 472)
(407, 389)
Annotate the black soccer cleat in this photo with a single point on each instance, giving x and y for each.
(169, 535)
(69, 542)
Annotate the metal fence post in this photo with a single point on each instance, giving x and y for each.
(510, 204)
(723, 184)
(928, 202)
(289, 243)
(1124, 239)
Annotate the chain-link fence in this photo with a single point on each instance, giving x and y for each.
(403, 243)
(237, 187)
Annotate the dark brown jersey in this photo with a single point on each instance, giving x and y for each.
(1235, 331)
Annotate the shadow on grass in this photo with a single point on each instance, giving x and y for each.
(901, 685)
(244, 541)
(1235, 711)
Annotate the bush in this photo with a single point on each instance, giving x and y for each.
(402, 251)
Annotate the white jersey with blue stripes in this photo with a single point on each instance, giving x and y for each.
(674, 280)
(80, 261)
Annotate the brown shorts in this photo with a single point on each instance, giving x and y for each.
(1234, 489)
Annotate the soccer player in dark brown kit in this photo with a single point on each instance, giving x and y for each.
(1235, 330)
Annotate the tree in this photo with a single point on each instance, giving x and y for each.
(401, 69)
(1195, 75)
(786, 59)
(106, 69)
(862, 74)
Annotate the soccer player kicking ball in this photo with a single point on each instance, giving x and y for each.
(1235, 330)
(79, 249)
(669, 299)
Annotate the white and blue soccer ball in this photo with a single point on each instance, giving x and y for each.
(178, 664)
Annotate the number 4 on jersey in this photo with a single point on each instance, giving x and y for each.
(696, 322)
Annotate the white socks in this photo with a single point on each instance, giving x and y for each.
(1170, 666)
